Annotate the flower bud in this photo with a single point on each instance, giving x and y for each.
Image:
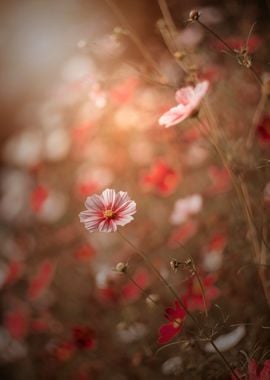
(121, 267)
(194, 15)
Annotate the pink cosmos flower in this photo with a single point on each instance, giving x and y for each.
(107, 211)
(175, 317)
(189, 99)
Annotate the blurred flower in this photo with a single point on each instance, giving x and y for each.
(64, 351)
(17, 322)
(107, 211)
(38, 197)
(221, 180)
(24, 148)
(122, 93)
(189, 99)
(42, 280)
(84, 253)
(56, 144)
(185, 207)
(263, 130)
(84, 338)
(254, 373)
(132, 292)
(89, 179)
(193, 298)
(49, 205)
(15, 186)
(227, 341)
(213, 252)
(182, 234)
(132, 333)
(161, 178)
(172, 366)
(175, 317)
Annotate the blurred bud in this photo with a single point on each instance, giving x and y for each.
(179, 55)
(194, 15)
(175, 265)
(121, 267)
(152, 299)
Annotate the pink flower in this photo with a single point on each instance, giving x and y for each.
(254, 373)
(189, 99)
(108, 210)
(185, 207)
(175, 317)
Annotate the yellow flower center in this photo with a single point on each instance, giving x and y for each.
(108, 213)
(177, 322)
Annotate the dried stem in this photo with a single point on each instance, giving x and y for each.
(141, 47)
(174, 293)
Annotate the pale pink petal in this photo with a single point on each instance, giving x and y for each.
(109, 198)
(174, 116)
(184, 95)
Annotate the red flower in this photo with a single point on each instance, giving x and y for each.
(193, 298)
(84, 338)
(64, 351)
(254, 373)
(175, 317)
(84, 253)
(42, 280)
(38, 197)
(182, 234)
(263, 130)
(161, 178)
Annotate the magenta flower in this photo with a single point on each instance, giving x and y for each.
(107, 211)
(189, 99)
(175, 318)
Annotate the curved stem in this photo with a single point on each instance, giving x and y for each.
(174, 293)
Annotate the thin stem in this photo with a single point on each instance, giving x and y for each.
(216, 36)
(141, 47)
(140, 288)
(174, 293)
(202, 289)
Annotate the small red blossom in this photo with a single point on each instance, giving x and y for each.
(130, 291)
(161, 179)
(84, 253)
(38, 197)
(107, 211)
(175, 317)
(182, 234)
(254, 373)
(84, 338)
(64, 351)
(263, 131)
(15, 271)
(193, 298)
(17, 322)
(42, 280)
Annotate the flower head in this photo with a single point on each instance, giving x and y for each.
(188, 99)
(175, 317)
(107, 211)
